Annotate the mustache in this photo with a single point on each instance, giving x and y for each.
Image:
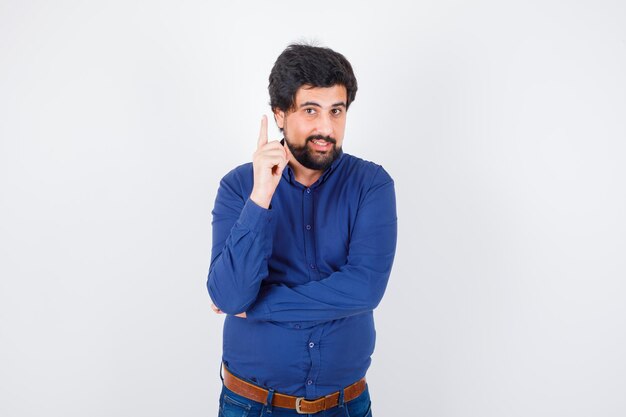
(320, 137)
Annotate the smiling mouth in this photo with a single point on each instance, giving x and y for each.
(320, 142)
(320, 145)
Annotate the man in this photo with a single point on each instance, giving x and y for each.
(303, 243)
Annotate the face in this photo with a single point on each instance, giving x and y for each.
(314, 128)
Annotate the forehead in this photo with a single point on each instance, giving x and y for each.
(324, 96)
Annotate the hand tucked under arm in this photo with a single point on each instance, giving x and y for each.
(218, 311)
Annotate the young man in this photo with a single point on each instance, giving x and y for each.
(303, 243)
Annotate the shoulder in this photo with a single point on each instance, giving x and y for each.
(239, 173)
(239, 178)
(365, 171)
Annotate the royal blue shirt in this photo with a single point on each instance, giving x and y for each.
(308, 272)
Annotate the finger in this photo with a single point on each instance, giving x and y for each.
(270, 146)
(288, 154)
(270, 160)
(282, 165)
(269, 153)
(273, 144)
(278, 163)
(281, 168)
(263, 133)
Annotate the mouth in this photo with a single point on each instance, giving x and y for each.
(321, 144)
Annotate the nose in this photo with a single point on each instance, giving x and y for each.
(324, 125)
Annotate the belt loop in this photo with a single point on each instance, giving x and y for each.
(269, 400)
(341, 403)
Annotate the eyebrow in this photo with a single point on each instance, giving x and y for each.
(312, 103)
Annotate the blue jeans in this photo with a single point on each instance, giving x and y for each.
(234, 405)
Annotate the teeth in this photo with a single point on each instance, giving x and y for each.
(320, 142)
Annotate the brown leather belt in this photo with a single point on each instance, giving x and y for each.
(302, 406)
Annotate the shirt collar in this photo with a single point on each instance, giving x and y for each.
(331, 168)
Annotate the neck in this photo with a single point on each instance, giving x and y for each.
(304, 175)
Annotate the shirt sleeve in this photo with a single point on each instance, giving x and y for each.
(242, 245)
(356, 287)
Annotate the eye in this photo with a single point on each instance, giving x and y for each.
(309, 110)
(336, 112)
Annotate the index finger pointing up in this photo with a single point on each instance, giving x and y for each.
(263, 132)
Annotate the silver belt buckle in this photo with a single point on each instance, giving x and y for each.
(298, 402)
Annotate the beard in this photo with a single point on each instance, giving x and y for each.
(309, 158)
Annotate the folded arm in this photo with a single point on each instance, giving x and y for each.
(356, 287)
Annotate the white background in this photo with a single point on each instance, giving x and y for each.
(502, 123)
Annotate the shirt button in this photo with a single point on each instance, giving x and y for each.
(309, 382)
(308, 191)
(312, 266)
(308, 227)
(297, 326)
(311, 344)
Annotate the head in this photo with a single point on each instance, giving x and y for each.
(310, 90)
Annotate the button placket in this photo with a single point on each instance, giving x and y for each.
(309, 237)
(313, 348)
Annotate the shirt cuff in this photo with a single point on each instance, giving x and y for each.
(254, 217)
(259, 311)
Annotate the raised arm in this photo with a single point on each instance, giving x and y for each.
(242, 240)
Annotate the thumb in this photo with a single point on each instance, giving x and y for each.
(283, 163)
(288, 153)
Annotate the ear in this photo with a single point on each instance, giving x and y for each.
(279, 116)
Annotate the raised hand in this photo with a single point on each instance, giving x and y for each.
(269, 161)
